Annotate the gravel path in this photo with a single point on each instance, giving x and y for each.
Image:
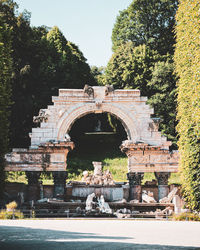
(98, 234)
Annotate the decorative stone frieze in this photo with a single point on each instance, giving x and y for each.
(148, 158)
(47, 157)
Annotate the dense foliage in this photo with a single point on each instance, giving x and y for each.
(43, 62)
(143, 43)
(187, 59)
(147, 22)
(98, 74)
(5, 92)
(34, 63)
(186, 217)
(145, 69)
(163, 97)
(130, 67)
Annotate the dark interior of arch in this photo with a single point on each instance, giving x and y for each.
(96, 137)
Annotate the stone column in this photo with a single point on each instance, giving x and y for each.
(177, 204)
(163, 189)
(59, 178)
(33, 189)
(135, 188)
(97, 168)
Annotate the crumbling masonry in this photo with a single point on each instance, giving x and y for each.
(146, 149)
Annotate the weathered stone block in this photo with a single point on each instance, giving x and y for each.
(128, 106)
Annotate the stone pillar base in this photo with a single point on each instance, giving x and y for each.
(163, 191)
(135, 191)
(59, 184)
(33, 188)
(33, 192)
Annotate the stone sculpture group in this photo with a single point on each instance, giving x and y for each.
(100, 205)
(98, 178)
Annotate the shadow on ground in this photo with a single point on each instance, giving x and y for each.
(24, 238)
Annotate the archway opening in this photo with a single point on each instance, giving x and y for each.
(97, 137)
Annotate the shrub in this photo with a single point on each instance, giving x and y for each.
(15, 214)
(187, 216)
(11, 206)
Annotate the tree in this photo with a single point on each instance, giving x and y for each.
(163, 97)
(187, 61)
(40, 68)
(74, 72)
(24, 78)
(147, 22)
(144, 69)
(130, 67)
(47, 63)
(98, 74)
(5, 94)
(143, 44)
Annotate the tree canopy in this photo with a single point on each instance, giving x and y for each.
(5, 92)
(143, 68)
(130, 67)
(143, 43)
(43, 61)
(147, 22)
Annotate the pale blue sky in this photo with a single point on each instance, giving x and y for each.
(87, 23)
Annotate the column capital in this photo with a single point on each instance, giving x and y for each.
(59, 176)
(162, 177)
(135, 178)
(33, 177)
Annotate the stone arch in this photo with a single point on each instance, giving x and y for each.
(146, 149)
(68, 118)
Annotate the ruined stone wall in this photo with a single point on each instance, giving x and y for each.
(146, 149)
(71, 104)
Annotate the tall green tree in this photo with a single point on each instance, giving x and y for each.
(187, 60)
(130, 67)
(142, 68)
(98, 75)
(24, 78)
(143, 44)
(74, 72)
(5, 94)
(23, 51)
(43, 62)
(163, 97)
(149, 22)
